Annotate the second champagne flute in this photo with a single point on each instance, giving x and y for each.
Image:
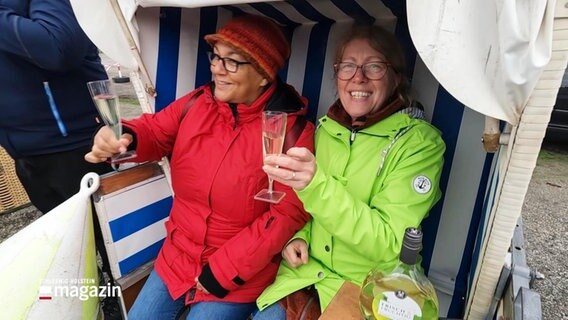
(106, 100)
(273, 132)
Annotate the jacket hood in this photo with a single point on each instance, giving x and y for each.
(286, 99)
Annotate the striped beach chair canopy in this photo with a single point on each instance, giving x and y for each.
(449, 64)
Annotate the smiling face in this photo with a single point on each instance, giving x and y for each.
(243, 86)
(359, 95)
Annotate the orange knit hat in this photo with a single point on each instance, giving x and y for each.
(260, 40)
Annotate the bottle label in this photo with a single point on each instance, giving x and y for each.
(396, 305)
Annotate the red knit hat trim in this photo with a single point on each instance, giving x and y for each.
(263, 45)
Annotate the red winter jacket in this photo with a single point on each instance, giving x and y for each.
(216, 230)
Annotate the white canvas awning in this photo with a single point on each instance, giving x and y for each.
(44, 266)
(98, 20)
(487, 54)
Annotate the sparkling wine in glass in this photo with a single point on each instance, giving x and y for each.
(273, 132)
(106, 100)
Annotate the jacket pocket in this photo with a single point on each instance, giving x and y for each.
(169, 250)
(256, 208)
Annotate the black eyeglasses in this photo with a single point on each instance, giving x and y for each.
(375, 70)
(231, 65)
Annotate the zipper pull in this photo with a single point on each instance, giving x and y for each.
(353, 132)
(191, 294)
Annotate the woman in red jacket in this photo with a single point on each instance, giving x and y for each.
(222, 246)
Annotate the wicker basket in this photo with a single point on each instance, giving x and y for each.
(12, 194)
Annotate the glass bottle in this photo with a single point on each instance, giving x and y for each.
(403, 293)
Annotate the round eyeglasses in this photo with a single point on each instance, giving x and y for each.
(375, 70)
(231, 65)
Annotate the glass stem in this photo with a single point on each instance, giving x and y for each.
(270, 182)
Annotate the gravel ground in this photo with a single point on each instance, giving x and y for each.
(12, 222)
(545, 219)
(545, 216)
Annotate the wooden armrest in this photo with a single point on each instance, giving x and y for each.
(118, 180)
(345, 304)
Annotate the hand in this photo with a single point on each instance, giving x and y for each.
(199, 286)
(296, 253)
(295, 169)
(105, 145)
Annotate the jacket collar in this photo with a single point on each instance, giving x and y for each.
(338, 113)
(277, 97)
(388, 127)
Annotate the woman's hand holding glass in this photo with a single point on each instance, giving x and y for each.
(106, 145)
(106, 101)
(296, 253)
(295, 169)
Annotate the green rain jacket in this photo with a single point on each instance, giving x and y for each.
(369, 187)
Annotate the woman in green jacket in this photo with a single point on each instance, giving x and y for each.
(376, 173)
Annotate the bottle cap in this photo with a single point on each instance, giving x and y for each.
(411, 246)
(412, 239)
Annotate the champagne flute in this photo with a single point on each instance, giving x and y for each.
(106, 100)
(273, 132)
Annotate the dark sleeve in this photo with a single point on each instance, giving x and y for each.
(47, 35)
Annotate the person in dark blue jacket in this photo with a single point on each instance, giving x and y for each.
(47, 117)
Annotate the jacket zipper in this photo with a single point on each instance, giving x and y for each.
(54, 109)
(352, 138)
(235, 113)
(386, 150)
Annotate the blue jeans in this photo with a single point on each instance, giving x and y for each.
(154, 302)
(273, 312)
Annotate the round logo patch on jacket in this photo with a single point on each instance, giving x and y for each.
(421, 184)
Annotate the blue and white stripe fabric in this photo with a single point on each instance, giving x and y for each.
(133, 223)
(172, 47)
